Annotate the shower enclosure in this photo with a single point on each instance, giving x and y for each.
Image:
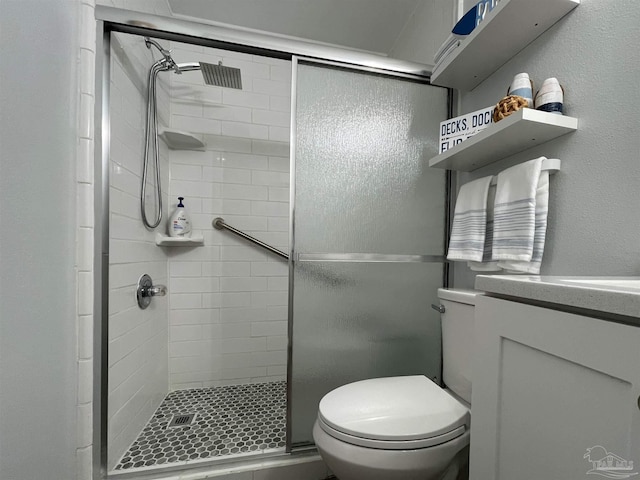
(322, 159)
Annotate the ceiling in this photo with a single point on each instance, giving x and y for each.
(372, 25)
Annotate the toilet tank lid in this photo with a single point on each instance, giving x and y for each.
(459, 295)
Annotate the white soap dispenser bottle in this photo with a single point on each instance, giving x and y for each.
(179, 223)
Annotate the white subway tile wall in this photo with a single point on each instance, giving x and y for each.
(228, 299)
(138, 352)
(85, 221)
(84, 241)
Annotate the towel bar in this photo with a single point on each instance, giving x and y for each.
(551, 164)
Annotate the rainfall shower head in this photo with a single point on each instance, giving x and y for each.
(216, 75)
(221, 76)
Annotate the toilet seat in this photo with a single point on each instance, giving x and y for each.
(392, 413)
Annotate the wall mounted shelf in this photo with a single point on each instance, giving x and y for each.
(508, 28)
(519, 131)
(192, 241)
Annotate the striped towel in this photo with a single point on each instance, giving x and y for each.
(470, 222)
(487, 264)
(542, 208)
(515, 212)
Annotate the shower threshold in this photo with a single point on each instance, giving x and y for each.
(229, 422)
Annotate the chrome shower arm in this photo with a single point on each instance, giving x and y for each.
(187, 67)
(165, 53)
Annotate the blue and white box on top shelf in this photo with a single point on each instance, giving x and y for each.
(470, 20)
(458, 129)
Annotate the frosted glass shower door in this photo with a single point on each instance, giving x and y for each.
(369, 229)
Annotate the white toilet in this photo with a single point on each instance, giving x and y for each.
(405, 428)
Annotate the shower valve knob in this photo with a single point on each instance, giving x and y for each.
(155, 291)
(147, 290)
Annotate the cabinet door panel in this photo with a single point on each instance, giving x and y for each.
(547, 386)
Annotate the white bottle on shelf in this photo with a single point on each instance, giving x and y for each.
(179, 224)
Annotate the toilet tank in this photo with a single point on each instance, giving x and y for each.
(457, 339)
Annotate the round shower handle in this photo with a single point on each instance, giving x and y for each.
(147, 290)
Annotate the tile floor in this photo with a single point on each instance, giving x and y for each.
(229, 421)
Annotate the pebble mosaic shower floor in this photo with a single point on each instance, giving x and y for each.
(229, 421)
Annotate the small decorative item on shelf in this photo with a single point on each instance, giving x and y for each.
(522, 86)
(519, 95)
(508, 105)
(550, 97)
(457, 130)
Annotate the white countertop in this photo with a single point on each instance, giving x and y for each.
(615, 295)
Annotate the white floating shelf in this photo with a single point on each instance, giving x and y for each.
(507, 29)
(178, 140)
(519, 131)
(166, 241)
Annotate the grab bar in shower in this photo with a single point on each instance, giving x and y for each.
(219, 224)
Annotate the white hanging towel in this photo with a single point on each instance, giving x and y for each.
(470, 222)
(542, 209)
(487, 264)
(515, 212)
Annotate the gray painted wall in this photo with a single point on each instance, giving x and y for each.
(594, 220)
(38, 91)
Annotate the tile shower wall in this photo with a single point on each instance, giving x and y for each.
(228, 300)
(137, 338)
(85, 240)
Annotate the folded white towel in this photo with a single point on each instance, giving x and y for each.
(542, 209)
(487, 264)
(449, 44)
(470, 221)
(446, 54)
(515, 212)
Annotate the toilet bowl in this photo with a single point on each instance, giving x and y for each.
(407, 427)
(391, 428)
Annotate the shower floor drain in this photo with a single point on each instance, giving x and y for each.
(181, 420)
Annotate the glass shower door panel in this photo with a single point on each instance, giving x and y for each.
(360, 320)
(363, 183)
(369, 234)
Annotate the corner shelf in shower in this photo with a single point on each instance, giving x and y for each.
(178, 140)
(520, 131)
(192, 241)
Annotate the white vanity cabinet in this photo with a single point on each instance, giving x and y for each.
(549, 385)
